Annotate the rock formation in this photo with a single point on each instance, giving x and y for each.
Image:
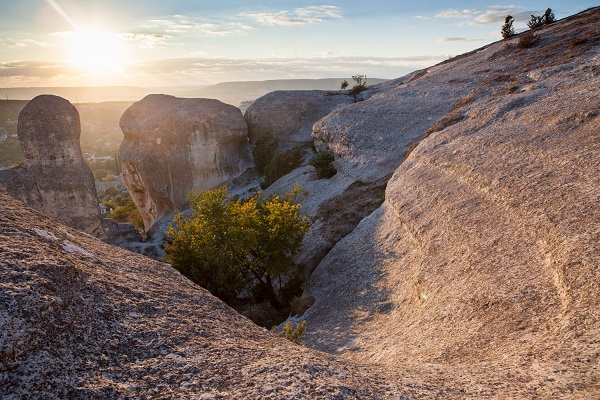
(83, 319)
(478, 277)
(289, 115)
(54, 177)
(172, 145)
(484, 258)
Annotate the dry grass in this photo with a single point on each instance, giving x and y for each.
(463, 101)
(527, 40)
(447, 120)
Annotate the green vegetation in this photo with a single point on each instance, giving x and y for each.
(100, 174)
(264, 150)
(123, 208)
(527, 40)
(227, 244)
(361, 84)
(291, 333)
(539, 21)
(272, 165)
(344, 85)
(324, 164)
(507, 30)
(128, 213)
(280, 165)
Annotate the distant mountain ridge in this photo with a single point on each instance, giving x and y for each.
(228, 92)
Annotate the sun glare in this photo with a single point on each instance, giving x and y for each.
(96, 51)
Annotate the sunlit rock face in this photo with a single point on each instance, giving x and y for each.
(289, 115)
(172, 145)
(54, 177)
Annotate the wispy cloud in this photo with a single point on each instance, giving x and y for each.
(241, 23)
(297, 16)
(493, 15)
(16, 43)
(145, 40)
(458, 39)
(452, 13)
(34, 69)
(182, 24)
(212, 70)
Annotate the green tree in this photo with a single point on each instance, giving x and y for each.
(127, 212)
(227, 242)
(361, 84)
(507, 29)
(100, 174)
(538, 21)
(344, 84)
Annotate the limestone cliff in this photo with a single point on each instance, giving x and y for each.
(54, 177)
(483, 262)
(172, 145)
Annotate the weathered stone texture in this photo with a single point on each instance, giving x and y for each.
(289, 115)
(54, 177)
(172, 145)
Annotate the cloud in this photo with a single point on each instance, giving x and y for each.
(452, 13)
(458, 39)
(493, 15)
(181, 24)
(14, 43)
(182, 71)
(33, 69)
(145, 40)
(298, 16)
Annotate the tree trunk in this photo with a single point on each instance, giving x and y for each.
(267, 284)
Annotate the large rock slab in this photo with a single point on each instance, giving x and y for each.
(83, 319)
(54, 177)
(483, 262)
(289, 115)
(172, 145)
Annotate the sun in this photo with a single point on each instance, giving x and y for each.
(96, 51)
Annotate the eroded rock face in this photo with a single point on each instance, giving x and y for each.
(172, 145)
(483, 259)
(72, 307)
(289, 115)
(54, 177)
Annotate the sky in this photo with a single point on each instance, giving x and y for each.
(160, 43)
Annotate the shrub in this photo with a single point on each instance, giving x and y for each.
(538, 21)
(280, 165)
(463, 101)
(100, 174)
(442, 123)
(344, 85)
(264, 150)
(291, 333)
(323, 163)
(549, 16)
(361, 84)
(128, 213)
(507, 29)
(527, 40)
(227, 243)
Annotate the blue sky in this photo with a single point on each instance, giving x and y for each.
(173, 43)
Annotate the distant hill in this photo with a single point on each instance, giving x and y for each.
(228, 92)
(78, 94)
(236, 92)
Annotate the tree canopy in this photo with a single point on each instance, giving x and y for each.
(226, 243)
